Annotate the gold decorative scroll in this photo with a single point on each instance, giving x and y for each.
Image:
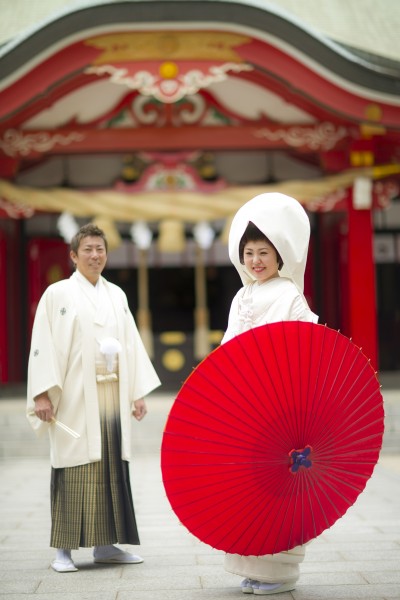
(216, 46)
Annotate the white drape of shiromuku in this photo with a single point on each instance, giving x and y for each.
(62, 361)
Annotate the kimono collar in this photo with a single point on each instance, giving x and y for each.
(97, 295)
(90, 289)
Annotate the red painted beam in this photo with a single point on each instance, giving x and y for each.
(300, 138)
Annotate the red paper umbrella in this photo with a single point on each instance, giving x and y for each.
(272, 438)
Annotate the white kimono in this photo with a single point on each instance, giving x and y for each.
(285, 223)
(62, 361)
(275, 300)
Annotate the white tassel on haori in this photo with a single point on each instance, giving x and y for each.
(109, 347)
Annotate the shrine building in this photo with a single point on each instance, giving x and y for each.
(157, 120)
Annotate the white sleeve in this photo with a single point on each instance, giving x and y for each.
(43, 365)
(300, 311)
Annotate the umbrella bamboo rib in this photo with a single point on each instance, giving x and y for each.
(226, 445)
(291, 408)
(288, 413)
(254, 423)
(239, 505)
(253, 375)
(359, 374)
(340, 441)
(246, 428)
(314, 404)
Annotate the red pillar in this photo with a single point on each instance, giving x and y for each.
(361, 292)
(48, 262)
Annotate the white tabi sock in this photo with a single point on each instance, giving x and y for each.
(63, 555)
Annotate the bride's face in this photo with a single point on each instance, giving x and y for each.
(261, 260)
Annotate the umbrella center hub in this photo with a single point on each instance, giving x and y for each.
(300, 458)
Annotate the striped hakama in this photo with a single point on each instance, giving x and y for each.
(91, 504)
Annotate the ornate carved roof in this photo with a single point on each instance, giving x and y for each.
(168, 75)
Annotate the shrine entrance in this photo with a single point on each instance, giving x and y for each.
(160, 131)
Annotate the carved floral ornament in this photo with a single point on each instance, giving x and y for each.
(18, 143)
(167, 89)
(167, 65)
(323, 136)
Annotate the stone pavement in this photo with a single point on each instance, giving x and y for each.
(358, 558)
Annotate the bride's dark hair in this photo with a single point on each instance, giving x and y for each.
(253, 234)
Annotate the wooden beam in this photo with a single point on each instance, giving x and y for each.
(313, 138)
